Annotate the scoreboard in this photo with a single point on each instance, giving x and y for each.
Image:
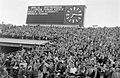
(64, 15)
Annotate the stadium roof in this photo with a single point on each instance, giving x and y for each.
(18, 42)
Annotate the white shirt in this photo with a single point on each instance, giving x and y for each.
(73, 70)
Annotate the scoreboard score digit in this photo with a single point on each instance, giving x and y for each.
(66, 15)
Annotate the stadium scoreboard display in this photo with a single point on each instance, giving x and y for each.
(64, 15)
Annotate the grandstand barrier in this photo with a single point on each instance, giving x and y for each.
(12, 45)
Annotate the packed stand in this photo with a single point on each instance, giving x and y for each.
(72, 53)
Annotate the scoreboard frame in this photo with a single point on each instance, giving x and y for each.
(58, 16)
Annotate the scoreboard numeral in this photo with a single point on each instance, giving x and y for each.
(67, 14)
(76, 20)
(73, 21)
(74, 8)
(71, 9)
(69, 20)
(67, 17)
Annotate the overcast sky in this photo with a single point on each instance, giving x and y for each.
(98, 12)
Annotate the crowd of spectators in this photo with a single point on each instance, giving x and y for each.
(72, 53)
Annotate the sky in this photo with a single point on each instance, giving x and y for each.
(98, 12)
